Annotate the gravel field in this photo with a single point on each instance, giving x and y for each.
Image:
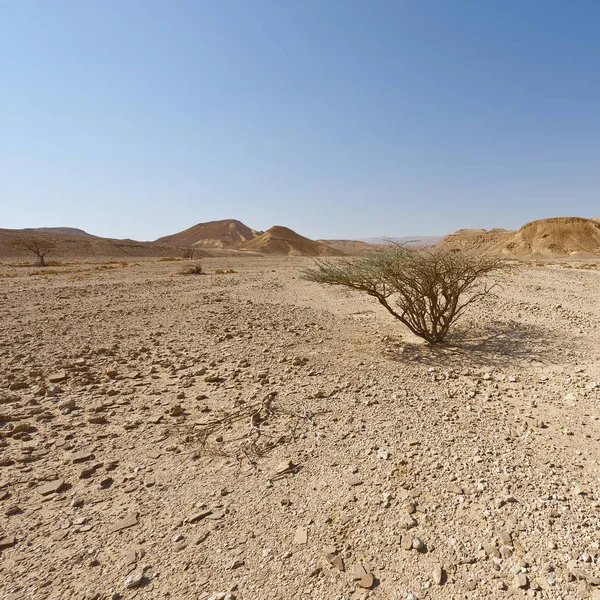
(251, 435)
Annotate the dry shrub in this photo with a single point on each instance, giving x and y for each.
(193, 270)
(430, 289)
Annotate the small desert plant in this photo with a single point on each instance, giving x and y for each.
(168, 259)
(430, 289)
(227, 272)
(47, 272)
(193, 270)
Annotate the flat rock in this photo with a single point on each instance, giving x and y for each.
(134, 579)
(301, 535)
(7, 541)
(406, 542)
(79, 457)
(521, 580)
(129, 521)
(87, 471)
(199, 516)
(367, 581)
(57, 376)
(215, 515)
(358, 571)
(200, 537)
(50, 487)
(405, 521)
(18, 385)
(354, 481)
(59, 535)
(96, 419)
(67, 404)
(454, 488)
(20, 428)
(335, 560)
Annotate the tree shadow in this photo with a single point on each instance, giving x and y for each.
(498, 345)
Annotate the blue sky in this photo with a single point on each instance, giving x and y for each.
(337, 118)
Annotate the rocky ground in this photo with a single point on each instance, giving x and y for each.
(251, 435)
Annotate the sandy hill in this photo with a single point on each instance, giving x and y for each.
(59, 230)
(231, 234)
(480, 240)
(416, 241)
(281, 240)
(227, 233)
(349, 246)
(78, 246)
(559, 236)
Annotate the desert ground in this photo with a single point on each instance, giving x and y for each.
(251, 435)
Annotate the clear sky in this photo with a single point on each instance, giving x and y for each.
(337, 118)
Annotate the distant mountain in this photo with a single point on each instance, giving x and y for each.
(417, 241)
(59, 230)
(557, 237)
(214, 234)
(349, 246)
(80, 245)
(281, 240)
(480, 240)
(234, 235)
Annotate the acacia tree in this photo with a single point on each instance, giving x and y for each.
(38, 246)
(426, 290)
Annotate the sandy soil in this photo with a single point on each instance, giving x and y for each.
(251, 435)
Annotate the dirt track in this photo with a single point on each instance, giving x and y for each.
(257, 435)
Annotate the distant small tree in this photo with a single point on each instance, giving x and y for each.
(189, 253)
(426, 290)
(38, 246)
